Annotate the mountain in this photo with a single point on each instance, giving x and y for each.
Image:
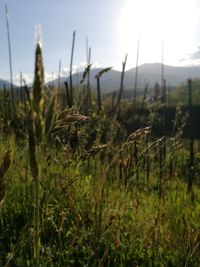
(149, 72)
(109, 81)
(5, 83)
(174, 76)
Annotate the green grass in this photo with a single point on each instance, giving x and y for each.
(87, 220)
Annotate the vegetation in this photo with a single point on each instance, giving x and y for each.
(181, 94)
(84, 189)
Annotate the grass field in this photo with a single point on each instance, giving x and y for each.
(77, 190)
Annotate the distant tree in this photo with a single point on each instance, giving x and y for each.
(180, 94)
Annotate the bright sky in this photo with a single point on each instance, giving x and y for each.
(113, 28)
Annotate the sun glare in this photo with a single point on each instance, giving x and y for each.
(153, 22)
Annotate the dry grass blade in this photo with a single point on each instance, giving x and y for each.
(139, 133)
(86, 71)
(100, 73)
(76, 117)
(94, 151)
(59, 124)
(157, 143)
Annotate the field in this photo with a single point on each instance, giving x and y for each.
(78, 188)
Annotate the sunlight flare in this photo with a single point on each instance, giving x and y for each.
(156, 21)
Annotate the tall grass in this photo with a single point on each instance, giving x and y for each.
(70, 71)
(35, 132)
(98, 193)
(10, 64)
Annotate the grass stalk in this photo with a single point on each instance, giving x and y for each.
(88, 80)
(59, 72)
(98, 96)
(70, 72)
(191, 159)
(35, 132)
(98, 76)
(136, 74)
(10, 63)
(121, 90)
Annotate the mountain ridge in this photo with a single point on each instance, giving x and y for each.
(147, 72)
(5, 83)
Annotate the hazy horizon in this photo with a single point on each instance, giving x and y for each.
(113, 28)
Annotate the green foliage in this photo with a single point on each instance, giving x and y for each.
(115, 226)
(180, 94)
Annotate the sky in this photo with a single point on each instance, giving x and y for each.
(113, 28)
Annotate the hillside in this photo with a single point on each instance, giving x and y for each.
(4, 83)
(149, 72)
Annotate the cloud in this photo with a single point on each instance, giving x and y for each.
(78, 68)
(83, 64)
(52, 76)
(64, 72)
(195, 55)
(96, 65)
(192, 58)
(28, 78)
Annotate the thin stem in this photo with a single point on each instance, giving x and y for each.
(136, 74)
(70, 72)
(10, 61)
